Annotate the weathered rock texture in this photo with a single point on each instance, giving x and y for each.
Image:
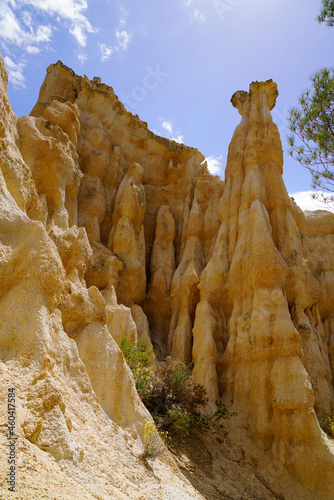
(108, 230)
(262, 336)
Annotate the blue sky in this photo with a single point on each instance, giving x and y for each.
(175, 63)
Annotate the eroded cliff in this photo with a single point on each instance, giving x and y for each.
(109, 230)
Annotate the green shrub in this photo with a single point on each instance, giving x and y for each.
(154, 442)
(140, 363)
(170, 394)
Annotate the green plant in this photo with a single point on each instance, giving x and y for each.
(169, 392)
(180, 375)
(154, 442)
(139, 361)
(177, 420)
(326, 14)
(327, 423)
(176, 402)
(171, 386)
(183, 423)
(313, 125)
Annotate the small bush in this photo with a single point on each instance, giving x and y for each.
(154, 442)
(175, 401)
(327, 423)
(172, 385)
(139, 362)
(171, 396)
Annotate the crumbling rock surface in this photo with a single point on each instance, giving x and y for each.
(109, 231)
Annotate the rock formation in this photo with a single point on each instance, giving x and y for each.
(263, 326)
(108, 230)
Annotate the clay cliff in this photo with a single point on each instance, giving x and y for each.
(109, 230)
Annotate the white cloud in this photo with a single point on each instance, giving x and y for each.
(70, 10)
(82, 57)
(198, 15)
(168, 126)
(27, 18)
(195, 13)
(15, 72)
(79, 34)
(12, 33)
(106, 52)
(21, 29)
(305, 201)
(9, 26)
(123, 39)
(214, 164)
(43, 34)
(178, 138)
(32, 50)
(124, 15)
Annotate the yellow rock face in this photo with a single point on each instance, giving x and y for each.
(259, 338)
(109, 231)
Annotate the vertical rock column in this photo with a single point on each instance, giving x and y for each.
(126, 238)
(184, 288)
(261, 371)
(157, 306)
